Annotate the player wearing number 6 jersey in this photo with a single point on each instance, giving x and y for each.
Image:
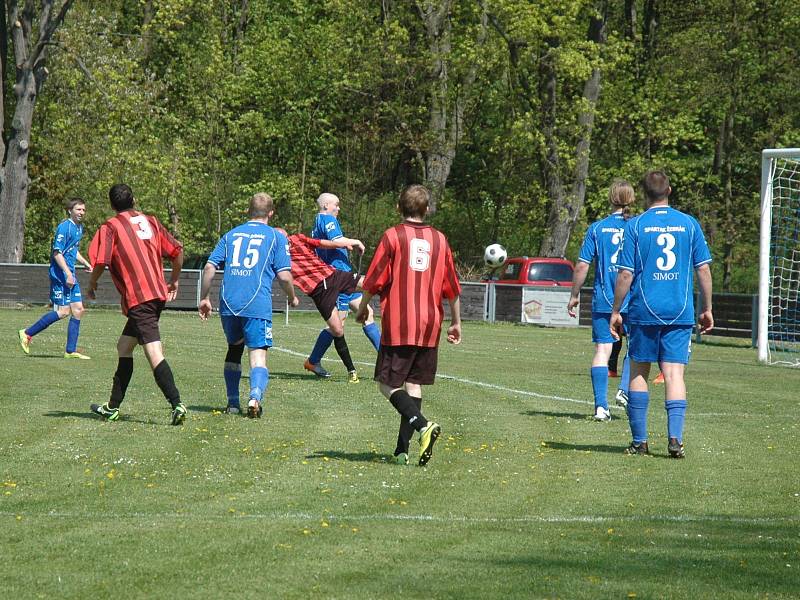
(662, 249)
(601, 246)
(131, 245)
(412, 270)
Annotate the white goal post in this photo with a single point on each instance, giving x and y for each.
(779, 260)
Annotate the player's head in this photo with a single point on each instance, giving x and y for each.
(261, 206)
(76, 208)
(655, 185)
(282, 231)
(414, 202)
(328, 203)
(621, 195)
(121, 197)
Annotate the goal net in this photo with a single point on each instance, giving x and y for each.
(779, 269)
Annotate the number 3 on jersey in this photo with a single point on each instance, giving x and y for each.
(143, 229)
(420, 254)
(666, 262)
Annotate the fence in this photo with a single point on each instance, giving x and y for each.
(29, 284)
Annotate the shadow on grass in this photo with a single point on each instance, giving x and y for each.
(293, 375)
(93, 417)
(61, 356)
(351, 456)
(585, 447)
(555, 413)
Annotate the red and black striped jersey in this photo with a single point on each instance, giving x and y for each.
(308, 269)
(412, 271)
(131, 245)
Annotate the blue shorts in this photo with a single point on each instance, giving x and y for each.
(601, 329)
(61, 295)
(660, 343)
(257, 333)
(344, 300)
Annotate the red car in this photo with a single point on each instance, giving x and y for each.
(536, 270)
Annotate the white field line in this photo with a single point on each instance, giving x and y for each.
(501, 388)
(444, 519)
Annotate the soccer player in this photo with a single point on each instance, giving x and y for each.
(412, 271)
(323, 284)
(253, 255)
(662, 249)
(326, 227)
(601, 246)
(65, 293)
(132, 244)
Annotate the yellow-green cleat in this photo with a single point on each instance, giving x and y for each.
(400, 459)
(352, 377)
(109, 414)
(77, 355)
(24, 341)
(427, 437)
(178, 414)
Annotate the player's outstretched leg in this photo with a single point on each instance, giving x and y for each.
(324, 340)
(232, 372)
(43, 323)
(344, 354)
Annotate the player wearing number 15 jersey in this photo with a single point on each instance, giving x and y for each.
(601, 246)
(662, 249)
(412, 270)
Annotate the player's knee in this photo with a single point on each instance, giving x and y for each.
(78, 310)
(336, 330)
(62, 311)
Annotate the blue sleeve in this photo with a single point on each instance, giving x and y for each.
(330, 227)
(61, 239)
(700, 252)
(217, 257)
(589, 247)
(281, 261)
(627, 255)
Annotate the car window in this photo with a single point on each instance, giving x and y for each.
(510, 271)
(549, 272)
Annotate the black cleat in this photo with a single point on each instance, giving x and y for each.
(640, 448)
(109, 414)
(254, 411)
(675, 449)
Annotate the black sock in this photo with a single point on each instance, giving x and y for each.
(344, 353)
(406, 431)
(166, 382)
(121, 380)
(612, 360)
(407, 408)
(234, 354)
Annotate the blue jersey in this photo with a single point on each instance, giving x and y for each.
(251, 254)
(663, 247)
(601, 245)
(326, 227)
(66, 241)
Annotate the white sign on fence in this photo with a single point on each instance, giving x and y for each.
(547, 306)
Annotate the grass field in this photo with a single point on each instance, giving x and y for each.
(525, 496)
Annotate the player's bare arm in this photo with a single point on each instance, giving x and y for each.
(363, 308)
(454, 331)
(97, 271)
(343, 242)
(286, 282)
(205, 307)
(172, 286)
(621, 289)
(83, 261)
(62, 263)
(578, 279)
(706, 317)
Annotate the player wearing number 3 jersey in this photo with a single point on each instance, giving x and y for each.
(413, 271)
(662, 249)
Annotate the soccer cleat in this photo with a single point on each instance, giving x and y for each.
(400, 459)
(427, 437)
(25, 341)
(659, 378)
(352, 377)
(316, 369)
(178, 414)
(602, 414)
(231, 410)
(622, 399)
(254, 410)
(612, 373)
(76, 355)
(675, 448)
(640, 448)
(109, 414)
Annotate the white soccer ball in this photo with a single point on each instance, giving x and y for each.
(495, 256)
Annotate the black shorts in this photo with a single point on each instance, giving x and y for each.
(328, 290)
(397, 365)
(143, 321)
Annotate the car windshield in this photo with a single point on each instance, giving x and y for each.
(549, 272)
(510, 271)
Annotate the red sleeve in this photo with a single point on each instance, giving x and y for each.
(379, 275)
(307, 241)
(451, 287)
(170, 247)
(102, 246)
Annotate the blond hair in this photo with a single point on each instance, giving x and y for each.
(621, 195)
(261, 206)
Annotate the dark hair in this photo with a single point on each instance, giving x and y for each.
(121, 197)
(414, 201)
(72, 203)
(655, 185)
(260, 206)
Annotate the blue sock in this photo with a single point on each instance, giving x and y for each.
(626, 374)
(600, 385)
(43, 323)
(676, 411)
(637, 415)
(73, 331)
(324, 341)
(233, 374)
(259, 379)
(374, 334)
